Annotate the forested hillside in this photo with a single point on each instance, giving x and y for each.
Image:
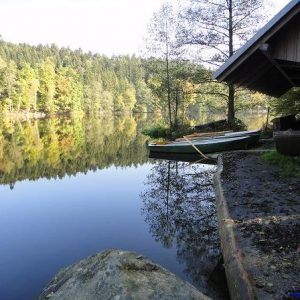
(56, 80)
(53, 80)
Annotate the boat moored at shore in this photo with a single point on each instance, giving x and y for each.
(203, 145)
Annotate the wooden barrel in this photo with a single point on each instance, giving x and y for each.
(287, 142)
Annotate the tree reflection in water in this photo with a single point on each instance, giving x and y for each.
(60, 146)
(179, 206)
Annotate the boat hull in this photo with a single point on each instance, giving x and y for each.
(205, 146)
(254, 136)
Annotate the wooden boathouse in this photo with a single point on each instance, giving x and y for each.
(270, 61)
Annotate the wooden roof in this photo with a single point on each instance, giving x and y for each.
(270, 61)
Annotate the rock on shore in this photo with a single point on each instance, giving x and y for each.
(118, 275)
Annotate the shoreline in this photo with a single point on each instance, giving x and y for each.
(24, 116)
(259, 224)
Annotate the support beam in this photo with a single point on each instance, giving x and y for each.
(288, 66)
(264, 48)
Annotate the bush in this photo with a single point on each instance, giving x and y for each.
(288, 104)
(162, 131)
(239, 125)
(222, 125)
(157, 131)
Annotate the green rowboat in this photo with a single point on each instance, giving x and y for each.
(205, 146)
(254, 135)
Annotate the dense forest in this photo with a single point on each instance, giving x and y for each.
(56, 80)
(53, 80)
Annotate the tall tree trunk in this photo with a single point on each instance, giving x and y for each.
(230, 28)
(231, 89)
(168, 76)
(231, 112)
(176, 108)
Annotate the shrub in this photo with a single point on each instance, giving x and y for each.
(157, 131)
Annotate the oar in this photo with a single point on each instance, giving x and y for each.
(197, 161)
(203, 135)
(195, 147)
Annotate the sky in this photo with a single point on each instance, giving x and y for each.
(101, 26)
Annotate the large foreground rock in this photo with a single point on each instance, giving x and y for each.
(118, 275)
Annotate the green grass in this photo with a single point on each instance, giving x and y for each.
(289, 165)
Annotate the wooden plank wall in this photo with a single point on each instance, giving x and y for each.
(286, 45)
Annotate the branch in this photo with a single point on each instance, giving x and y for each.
(214, 29)
(207, 23)
(209, 62)
(216, 4)
(245, 16)
(194, 41)
(225, 96)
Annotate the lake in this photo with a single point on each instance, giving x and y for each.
(70, 188)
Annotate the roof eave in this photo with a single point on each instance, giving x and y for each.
(257, 40)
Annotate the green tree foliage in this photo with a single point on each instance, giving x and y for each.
(287, 104)
(184, 87)
(55, 81)
(27, 88)
(8, 74)
(69, 92)
(46, 90)
(171, 78)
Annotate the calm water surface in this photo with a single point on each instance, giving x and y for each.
(74, 187)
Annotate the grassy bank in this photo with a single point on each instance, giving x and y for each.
(289, 165)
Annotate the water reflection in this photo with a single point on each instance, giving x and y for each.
(101, 209)
(179, 206)
(57, 147)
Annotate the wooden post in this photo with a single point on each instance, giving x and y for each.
(267, 122)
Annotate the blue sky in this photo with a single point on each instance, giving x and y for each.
(102, 26)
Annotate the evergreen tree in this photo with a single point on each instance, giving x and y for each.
(46, 92)
(27, 87)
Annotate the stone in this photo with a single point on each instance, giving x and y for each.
(118, 275)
